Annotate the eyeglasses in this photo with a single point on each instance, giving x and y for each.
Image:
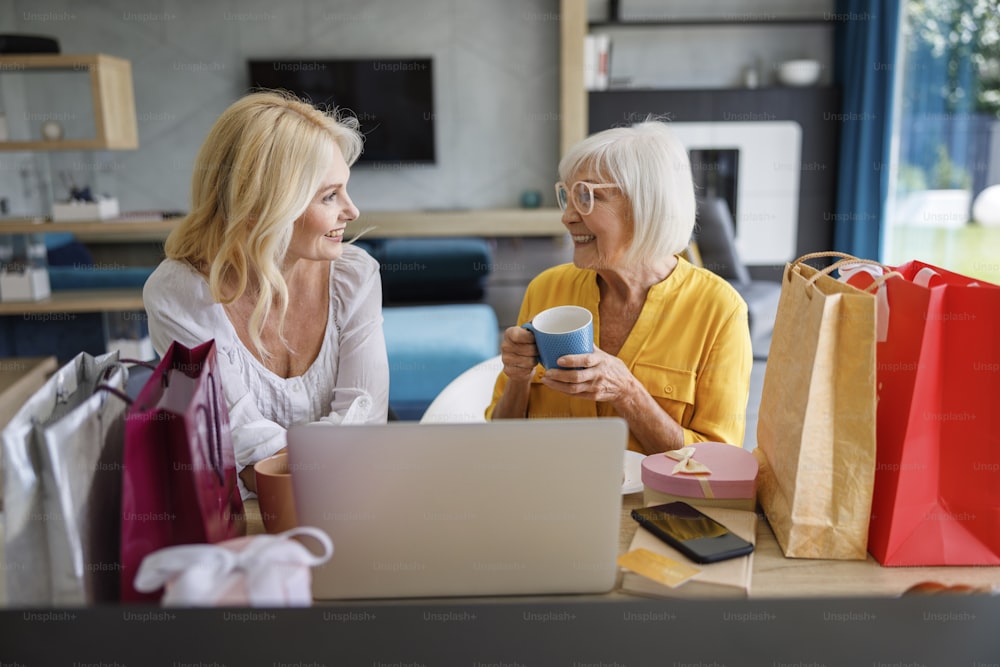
(582, 195)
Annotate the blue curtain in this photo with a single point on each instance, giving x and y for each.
(864, 67)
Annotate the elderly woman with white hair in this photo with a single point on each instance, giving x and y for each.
(672, 351)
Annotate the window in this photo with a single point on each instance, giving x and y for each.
(944, 195)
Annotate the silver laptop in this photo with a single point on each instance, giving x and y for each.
(512, 507)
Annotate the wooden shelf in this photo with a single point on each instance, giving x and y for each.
(733, 21)
(491, 223)
(61, 145)
(111, 96)
(575, 25)
(741, 90)
(132, 230)
(485, 223)
(77, 301)
(387, 224)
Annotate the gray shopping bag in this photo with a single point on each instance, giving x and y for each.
(62, 467)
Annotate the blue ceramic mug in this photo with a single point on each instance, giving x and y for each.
(562, 330)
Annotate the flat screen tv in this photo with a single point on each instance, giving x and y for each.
(393, 98)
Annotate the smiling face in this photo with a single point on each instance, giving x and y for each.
(319, 233)
(601, 237)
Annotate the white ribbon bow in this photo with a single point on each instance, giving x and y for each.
(687, 464)
(274, 569)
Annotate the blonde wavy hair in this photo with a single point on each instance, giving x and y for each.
(256, 173)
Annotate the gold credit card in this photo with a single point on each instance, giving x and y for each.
(657, 567)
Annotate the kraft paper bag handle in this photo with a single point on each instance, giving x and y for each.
(842, 264)
(823, 253)
(882, 298)
(845, 259)
(881, 295)
(848, 260)
(879, 278)
(826, 254)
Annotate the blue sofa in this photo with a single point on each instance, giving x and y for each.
(431, 270)
(429, 346)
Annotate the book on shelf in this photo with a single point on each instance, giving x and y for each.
(138, 216)
(596, 61)
(724, 579)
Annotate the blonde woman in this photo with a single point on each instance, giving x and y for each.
(261, 266)
(672, 341)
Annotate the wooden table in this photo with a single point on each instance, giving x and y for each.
(775, 576)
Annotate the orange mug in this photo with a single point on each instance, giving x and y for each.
(274, 493)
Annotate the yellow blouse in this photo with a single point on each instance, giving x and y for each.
(690, 348)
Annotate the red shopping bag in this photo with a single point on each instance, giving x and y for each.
(936, 498)
(179, 473)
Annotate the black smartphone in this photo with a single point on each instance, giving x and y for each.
(696, 535)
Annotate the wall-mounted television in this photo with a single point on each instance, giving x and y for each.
(393, 98)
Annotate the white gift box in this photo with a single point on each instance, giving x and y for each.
(32, 284)
(76, 211)
(255, 571)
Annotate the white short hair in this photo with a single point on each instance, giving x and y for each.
(651, 167)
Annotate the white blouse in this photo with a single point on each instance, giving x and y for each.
(348, 381)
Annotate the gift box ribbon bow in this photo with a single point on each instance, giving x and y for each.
(688, 466)
(200, 574)
(686, 463)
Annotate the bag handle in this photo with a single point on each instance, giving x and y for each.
(878, 281)
(138, 362)
(218, 430)
(881, 280)
(102, 381)
(846, 259)
(815, 255)
(825, 253)
(114, 392)
(106, 375)
(874, 288)
(843, 262)
(215, 432)
(924, 277)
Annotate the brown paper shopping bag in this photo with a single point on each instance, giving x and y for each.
(816, 429)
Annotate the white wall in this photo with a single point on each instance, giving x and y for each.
(496, 90)
(496, 83)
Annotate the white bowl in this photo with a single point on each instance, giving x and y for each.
(799, 72)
